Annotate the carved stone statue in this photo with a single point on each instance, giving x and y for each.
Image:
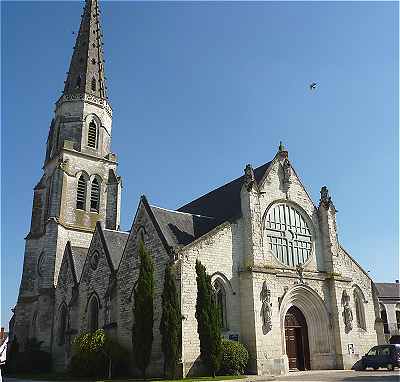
(286, 166)
(347, 312)
(266, 308)
(300, 270)
(249, 177)
(326, 200)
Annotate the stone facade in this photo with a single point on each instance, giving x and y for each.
(270, 251)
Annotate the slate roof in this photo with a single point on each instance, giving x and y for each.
(115, 241)
(223, 203)
(181, 228)
(78, 256)
(388, 290)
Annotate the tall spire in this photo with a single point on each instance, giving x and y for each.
(86, 70)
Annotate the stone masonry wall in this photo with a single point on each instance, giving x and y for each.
(128, 274)
(220, 251)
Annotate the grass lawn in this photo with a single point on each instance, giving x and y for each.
(194, 379)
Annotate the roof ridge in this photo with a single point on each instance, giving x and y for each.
(224, 185)
(180, 212)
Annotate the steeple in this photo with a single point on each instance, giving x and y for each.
(86, 70)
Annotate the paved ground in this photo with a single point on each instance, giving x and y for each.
(314, 376)
(343, 376)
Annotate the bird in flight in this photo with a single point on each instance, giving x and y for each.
(313, 86)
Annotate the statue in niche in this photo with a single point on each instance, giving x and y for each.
(347, 312)
(300, 271)
(266, 308)
(249, 177)
(286, 171)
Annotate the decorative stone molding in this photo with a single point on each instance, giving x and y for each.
(317, 316)
(86, 97)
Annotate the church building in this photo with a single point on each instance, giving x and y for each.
(286, 287)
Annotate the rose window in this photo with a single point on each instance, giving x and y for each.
(288, 235)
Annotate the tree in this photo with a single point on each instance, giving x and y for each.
(207, 321)
(143, 311)
(171, 324)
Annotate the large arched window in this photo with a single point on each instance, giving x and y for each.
(359, 308)
(95, 196)
(288, 234)
(93, 314)
(220, 299)
(62, 324)
(384, 319)
(92, 134)
(81, 193)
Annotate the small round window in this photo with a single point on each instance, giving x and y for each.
(288, 235)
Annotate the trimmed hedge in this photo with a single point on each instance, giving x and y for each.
(234, 358)
(92, 353)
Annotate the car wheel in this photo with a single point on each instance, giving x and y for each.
(390, 366)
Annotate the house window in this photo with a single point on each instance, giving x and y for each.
(81, 193)
(95, 196)
(288, 234)
(62, 325)
(398, 316)
(220, 299)
(384, 319)
(92, 134)
(93, 314)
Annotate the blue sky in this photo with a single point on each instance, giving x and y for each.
(201, 89)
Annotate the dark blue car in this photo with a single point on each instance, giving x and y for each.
(382, 356)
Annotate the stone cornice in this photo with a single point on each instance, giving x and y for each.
(85, 97)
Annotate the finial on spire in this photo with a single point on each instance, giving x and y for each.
(86, 70)
(281, 147)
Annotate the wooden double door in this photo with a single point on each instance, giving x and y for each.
(296, 336)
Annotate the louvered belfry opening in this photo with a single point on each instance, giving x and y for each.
(95, 196)
(81, 193)
(92, 134)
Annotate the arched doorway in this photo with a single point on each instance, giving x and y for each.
(296, 338)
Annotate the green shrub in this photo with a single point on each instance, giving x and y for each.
(234, 358)
(92, 353)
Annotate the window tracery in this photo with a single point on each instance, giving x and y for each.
(359, 308)
(93, 314)
(288, 234)
(220, 299)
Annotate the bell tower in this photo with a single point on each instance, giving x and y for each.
(79, 185)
